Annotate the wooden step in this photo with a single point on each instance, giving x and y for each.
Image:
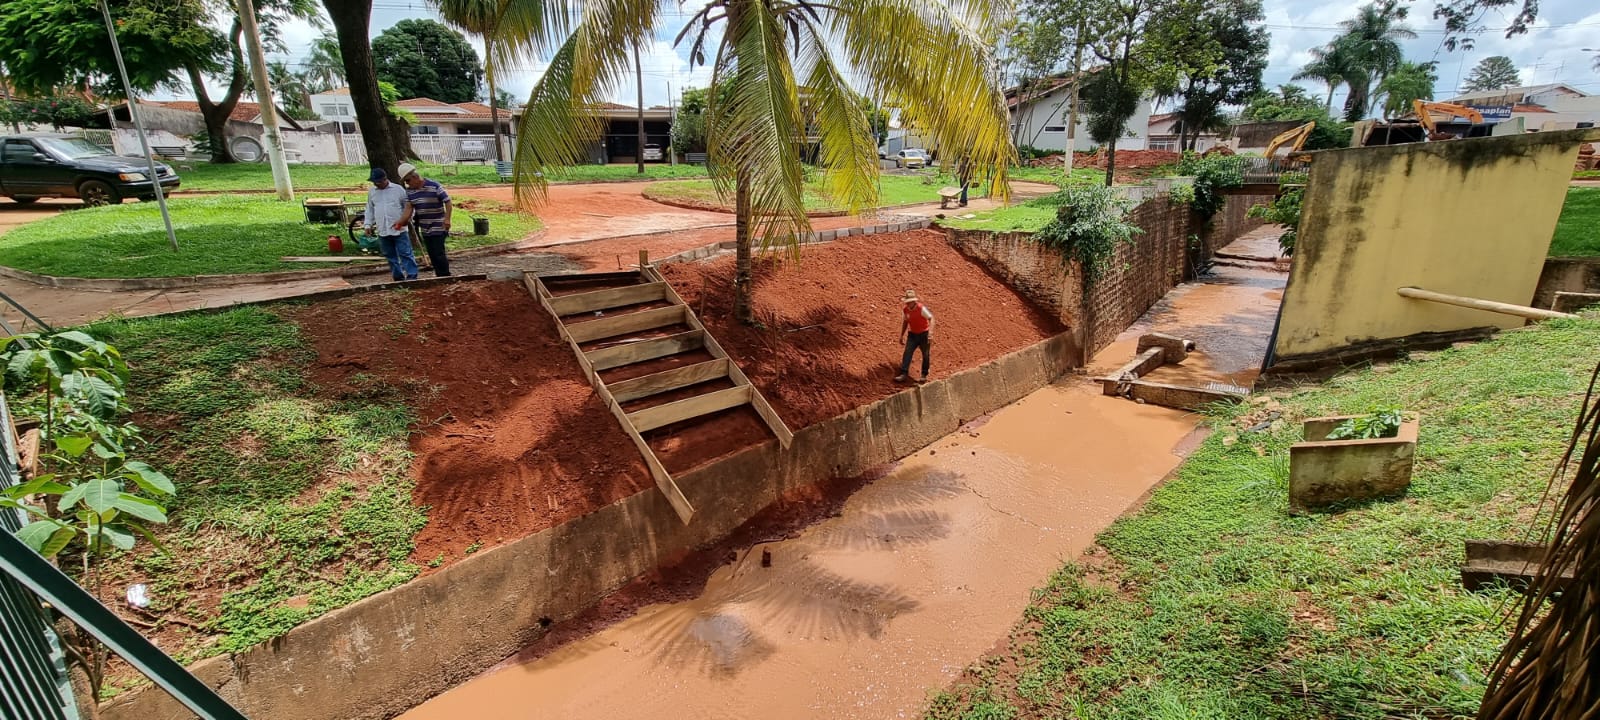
(627, 354)
(668, 380)
(608, 298)
(664, 415)
(591, 330)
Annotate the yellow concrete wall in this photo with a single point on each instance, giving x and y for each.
(1464, 217)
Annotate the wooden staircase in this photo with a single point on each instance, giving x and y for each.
(629, 332)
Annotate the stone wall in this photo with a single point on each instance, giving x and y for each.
(1576, 275)
(388, 653)
(1139, 274)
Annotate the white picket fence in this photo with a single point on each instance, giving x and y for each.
(438, 149)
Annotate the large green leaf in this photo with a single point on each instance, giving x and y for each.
(141, 508)
(119, 537)
(74, 445)
(43, 484)
(44, 536)
(99, 397)
(24, 363)
(148, 479)
(79, 337)
(101, 495)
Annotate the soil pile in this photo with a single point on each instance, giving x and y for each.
(1126, 159)
(828, 334)
(511, 438)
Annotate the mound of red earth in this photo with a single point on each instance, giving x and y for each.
(513, 439)
(1126, 159)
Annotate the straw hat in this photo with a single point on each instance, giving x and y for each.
(910, 296)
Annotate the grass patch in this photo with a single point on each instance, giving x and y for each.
(1057, 176)
(290, 504)
(216, 235)
(1030, 215)
(1578, 230)
(896, 190)
(1213, 602)
(258, 176)
(1586, 175)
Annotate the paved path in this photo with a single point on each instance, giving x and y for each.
(865, 614)
(586, 227)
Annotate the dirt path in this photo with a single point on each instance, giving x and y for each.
(867, 613)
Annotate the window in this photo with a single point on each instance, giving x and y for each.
(1055, 128)
(425, 130)
(19, 151)
(74, 148)
(1171, 145)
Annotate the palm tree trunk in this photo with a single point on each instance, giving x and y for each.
(1328, 105)
(741, 259)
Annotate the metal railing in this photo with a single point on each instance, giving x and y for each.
(33, 675)
(1255, 170)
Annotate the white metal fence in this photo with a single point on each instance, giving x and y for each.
(438, 149)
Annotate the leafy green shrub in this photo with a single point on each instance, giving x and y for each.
(1212, 176)
(57, 111)
(1284, 210)
(1029, 152)
(1088, 227)
(1181, 195)
(1381, 423)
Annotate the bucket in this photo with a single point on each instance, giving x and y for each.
(335, 245)
(480, 226)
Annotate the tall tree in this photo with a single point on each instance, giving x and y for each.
(1330, 65)
(479, 17)
(382, 133)
(1372, 41)
(426, 59)
(1035, 49)
(1409, 82)
(1217, 59)
(325, 63)
(931, 58)
(270, 16)
(1463, 19)
(1128, 36)
(60, 44)
(1290, 102)
(1495, 72)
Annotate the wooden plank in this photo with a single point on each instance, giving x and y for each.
(607, 299)
(634, 352)
(663, 415)
(757, 400)
(329, 259)
(668, 380)
(558, 278)
(658, 472)
(623, 324)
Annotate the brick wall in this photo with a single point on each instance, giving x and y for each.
(1139, 274)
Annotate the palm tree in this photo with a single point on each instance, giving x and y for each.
(325, 64)
(1372, 41)
(478, 17)
(1410, 81)
(931, 58)
(1330, 65)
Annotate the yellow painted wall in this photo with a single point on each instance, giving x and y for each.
(1463, 217)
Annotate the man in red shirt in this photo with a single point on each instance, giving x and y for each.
(919, 322)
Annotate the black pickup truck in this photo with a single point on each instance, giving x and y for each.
(36, 166)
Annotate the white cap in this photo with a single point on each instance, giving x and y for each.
(406, 169)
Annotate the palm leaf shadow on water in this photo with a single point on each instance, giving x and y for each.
(746, 607)
(1550, 668)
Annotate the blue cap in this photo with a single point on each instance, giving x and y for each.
(377, 174)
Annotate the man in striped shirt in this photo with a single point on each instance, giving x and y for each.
(431, 211)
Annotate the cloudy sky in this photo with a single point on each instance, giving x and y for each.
(1552, 52)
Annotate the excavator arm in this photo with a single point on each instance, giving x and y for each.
(1425, 109)
(1297, 136)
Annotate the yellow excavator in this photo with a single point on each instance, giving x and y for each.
(1425, 110)
(1296, 136)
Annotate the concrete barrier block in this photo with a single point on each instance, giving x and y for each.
(1328, 472)
(870, 230)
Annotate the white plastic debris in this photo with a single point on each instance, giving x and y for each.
(139, 596)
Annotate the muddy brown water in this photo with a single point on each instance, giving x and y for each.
(863, 614)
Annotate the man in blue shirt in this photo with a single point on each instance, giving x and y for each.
(430, 206)
(388, 215)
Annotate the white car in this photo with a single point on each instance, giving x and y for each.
(911, 158)
(652, 153)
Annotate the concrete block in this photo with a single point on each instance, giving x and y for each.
(827, 235)
(1181, 397)
(1326, 472)
(1175, 349)
(870, 230)
(1571, 302)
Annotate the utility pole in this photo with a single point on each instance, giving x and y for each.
(638, 71)
(672, 114)
(133, 112)
(269, 114)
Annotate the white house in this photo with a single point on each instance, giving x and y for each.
(335, 106)
(1163, 135)
(1040, 121)
(1556, 106)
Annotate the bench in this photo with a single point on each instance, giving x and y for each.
(503, 168)
(169, 152)
(948, 195)
(695, 158)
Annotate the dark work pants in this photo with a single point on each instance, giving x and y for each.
(914, 341)
(435, 246)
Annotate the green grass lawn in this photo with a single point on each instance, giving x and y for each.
(897, 190)
(1057, 176)
(216, 235)
(290, 504)
(258, 176)
(1578, 230)
(1213, 602)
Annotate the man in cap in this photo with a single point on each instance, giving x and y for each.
(388, 214)
(430, 207)
(918, 321)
